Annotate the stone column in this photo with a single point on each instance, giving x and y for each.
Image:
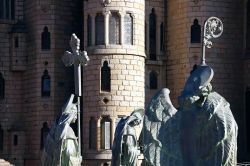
(106, 26)
(98, 133)
(121, 14)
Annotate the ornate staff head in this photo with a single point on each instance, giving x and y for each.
(213, 28)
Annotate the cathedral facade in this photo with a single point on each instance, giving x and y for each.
(136, 47)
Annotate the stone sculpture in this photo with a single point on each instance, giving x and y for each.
(61, 147)
(202, 132)
(125, 147)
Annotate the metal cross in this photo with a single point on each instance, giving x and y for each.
(76, 58)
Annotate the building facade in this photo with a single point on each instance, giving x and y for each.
(136, 47)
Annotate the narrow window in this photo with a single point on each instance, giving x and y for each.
(1, 9)
(89, 29)
(153, 80)
(128, 29)
(15, 142)
(248, 29)
(12, 9)
(7, 9)
(45, 84)
(247, 106)
(195, 32)
(114, 28)
(44, 133)
(1, 138)
(162, 37)
(99, 29)
(92, 133)
(146, 36)
(2, 87)
(16, 42)
(105, 133)
(45, 39)
(152, 35)
(105, 77)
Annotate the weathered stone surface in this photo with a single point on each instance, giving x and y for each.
(202, 132)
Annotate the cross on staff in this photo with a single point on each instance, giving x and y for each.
(76, 58)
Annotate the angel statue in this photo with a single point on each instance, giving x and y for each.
(202, 131)
(61, 147)
(125, 147)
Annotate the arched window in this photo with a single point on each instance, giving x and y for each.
(153, 82)
(7, 9)
(247, 107)
(128, 29)
(152, 35)
(2, 87)
(1, 138)
(15, 140)
(99, 29)
(45, 84)
(89, 29)
(105, 77)
(44, 133)
(195, 32)
(105, 133)
(92, 133)
(45, 39)
(162, 37)
(114, 28)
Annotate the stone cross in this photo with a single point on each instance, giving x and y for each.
(76, 58)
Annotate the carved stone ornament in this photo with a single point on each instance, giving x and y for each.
(105, 2)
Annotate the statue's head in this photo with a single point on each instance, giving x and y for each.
(136, 117)
(197, 87)
(200, 77)
(69, 111)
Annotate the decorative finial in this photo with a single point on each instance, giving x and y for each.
(213, 28)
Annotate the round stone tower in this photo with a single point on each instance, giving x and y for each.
(113, 82)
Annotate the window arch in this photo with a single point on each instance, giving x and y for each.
(89, 30)
(1, 138)
(45, 39)
(153, 80)
(99, 29)
(247, 107)
(128, 29)
(152, 35)
(7, 9)
(92, 133)
(2, 87)
(105, 133)
(105, 77)
(45, 84)
(44, 133)
(195, 32)
(114, 28)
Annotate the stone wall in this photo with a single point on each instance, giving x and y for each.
(127, 72)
